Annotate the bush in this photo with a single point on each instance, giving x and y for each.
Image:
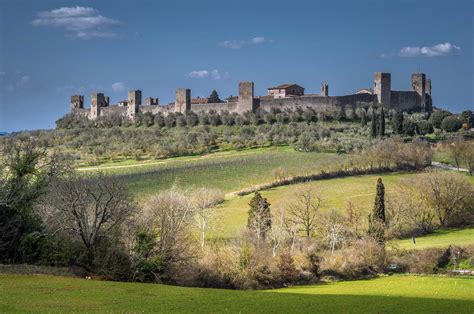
(424, 127)
(451, 124)
(438, 116)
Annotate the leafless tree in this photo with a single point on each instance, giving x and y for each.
(87, 209)
(304, 210)
(278, 232)
(203, 200)
(335, 229)
(447, 193)
(168, 216)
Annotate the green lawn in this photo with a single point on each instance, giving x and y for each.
(440, 238)
(228, 171)
(396, 294)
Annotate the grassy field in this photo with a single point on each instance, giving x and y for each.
(335, 193)
(397, 294)
(440, 238)
(228, 171)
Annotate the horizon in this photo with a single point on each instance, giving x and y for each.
(54, 49)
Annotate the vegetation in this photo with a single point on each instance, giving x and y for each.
(420, 294)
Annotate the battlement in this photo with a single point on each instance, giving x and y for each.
(285, 96)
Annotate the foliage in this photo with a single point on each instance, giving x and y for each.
(438, 116)
(377, 217)
(214, 97)
(260, 218)
(451, 124)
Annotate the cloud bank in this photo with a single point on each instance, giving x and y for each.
(240, 43)
(118, 87)
(79, 22)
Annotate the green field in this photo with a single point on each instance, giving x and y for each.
(227, 171)
(440, 238)
(335, 193)
(397, 294)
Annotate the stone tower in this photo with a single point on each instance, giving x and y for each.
(382, 87)
(183, 100)
(324, 89)
(77, 102)
(246, 95)
(134, 103)
(418, 84)
(428, 87)
(98, 101)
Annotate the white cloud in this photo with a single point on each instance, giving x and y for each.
(118, 87)
(24, 79)
(439, 50)
(199, 74)
(79, 22)
(213, 74)
(240, 43)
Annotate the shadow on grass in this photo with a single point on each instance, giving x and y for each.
(48, 293)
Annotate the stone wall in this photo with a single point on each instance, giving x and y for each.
(217, 107)
(318, 103)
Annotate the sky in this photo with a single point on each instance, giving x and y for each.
(50, 50)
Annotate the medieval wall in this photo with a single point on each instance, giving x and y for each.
(318, 103)
(217, 107)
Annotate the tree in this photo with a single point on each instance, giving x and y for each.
(448, 194)
(438, 116)
(26, 170)
(451, 124)
(87, 209)
(259, 216)
(304, 210)
(168, 217)
(424, 127)
(214, 97)
(363, 117)
(381, 126)
(377, 218)
(373, 124)
(202, 201)
(468, 117)
(397, 122)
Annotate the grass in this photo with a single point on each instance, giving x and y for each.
(335, 193)
(440, 238)
(396, 294)
(227, 171)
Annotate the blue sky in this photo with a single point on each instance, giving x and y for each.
(52, 49)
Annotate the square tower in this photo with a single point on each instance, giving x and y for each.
(246, 95)
(325, 89)
(183, 100)
(98, 101)
(382, 88)
(134, 102)
(77, 102)
(418, 85)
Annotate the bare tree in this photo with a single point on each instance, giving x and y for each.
(88, 209)
(168, 217)
(447, 193)
(278, 232)
(304, 210)
(335, 229)
(203, 200)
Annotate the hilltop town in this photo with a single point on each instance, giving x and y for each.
(282, 97)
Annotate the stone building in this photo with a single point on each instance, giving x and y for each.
(286, 96)
(285, 90)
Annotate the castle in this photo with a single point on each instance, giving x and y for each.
(286, 96)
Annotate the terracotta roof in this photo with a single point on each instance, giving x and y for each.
(285, 86)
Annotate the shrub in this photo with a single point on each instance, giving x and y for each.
(451, 124)
(438, 116)
(424, 127)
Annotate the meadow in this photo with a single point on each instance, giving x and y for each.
(395, 294)
(228, 171)
(439, 238)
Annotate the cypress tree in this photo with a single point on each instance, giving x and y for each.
(373, 124)
(397, 122)
(260, 217)
(214, 97)
(381, 126)
(363, 118)
(377, 217)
